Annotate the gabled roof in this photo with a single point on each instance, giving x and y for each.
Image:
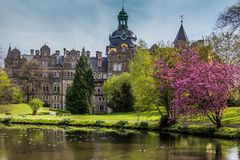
(181, 36)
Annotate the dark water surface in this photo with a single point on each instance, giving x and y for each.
(53, 143)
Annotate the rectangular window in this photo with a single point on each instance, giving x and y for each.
(115, 67)
(56, 74)
(56, 98)
(119, 67)
(45, 87)
(44, 74)
(44, 63)
(56, 87)
(15, 64)
(104, 76)
(44, 98)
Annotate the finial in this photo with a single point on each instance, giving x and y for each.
(181, 19)
(122, 4)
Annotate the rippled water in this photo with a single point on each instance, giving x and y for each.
(52, 143)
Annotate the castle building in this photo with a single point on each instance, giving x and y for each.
(57, 70)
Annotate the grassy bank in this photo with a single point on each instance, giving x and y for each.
(21, 114)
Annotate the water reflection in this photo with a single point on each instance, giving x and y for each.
(40, 143)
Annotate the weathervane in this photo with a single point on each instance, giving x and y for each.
(181, 19)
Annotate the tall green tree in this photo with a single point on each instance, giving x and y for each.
(117, 91)
(144, 85)
(79, 94)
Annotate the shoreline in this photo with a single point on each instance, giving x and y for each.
(193, 129)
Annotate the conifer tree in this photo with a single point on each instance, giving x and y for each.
(79, 94)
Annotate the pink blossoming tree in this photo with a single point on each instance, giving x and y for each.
(198, 87)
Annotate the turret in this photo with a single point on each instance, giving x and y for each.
(181, 40)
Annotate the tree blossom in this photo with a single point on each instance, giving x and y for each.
(198, 87)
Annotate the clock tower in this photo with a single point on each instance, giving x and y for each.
(122, 46)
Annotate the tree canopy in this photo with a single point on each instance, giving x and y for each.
(142, 81)
(198, 87)
(35, 105)
(8, 92)
(230, 18)
(117, 91)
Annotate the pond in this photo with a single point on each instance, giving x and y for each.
(19, 142)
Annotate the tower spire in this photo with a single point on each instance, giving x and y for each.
(9, 48)
(181, 39)
(122, 4)
(122, 18)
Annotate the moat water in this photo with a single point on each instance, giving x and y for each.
(52, 143)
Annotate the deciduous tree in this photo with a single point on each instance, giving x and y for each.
(144, 85)
(8, 92)
(117, 91)
(230, 18)
(199, 87)
(35, 105)
(31, 77)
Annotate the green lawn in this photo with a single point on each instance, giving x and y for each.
(231, 116)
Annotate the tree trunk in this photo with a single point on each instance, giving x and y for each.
(34, 112)
(218, 121)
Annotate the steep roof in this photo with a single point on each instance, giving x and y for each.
(93, 63)
(181, 36)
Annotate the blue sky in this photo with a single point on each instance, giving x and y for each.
(71, 24)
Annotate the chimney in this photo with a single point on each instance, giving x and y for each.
(57, 52)
(32, 51)
(37, 52)
(99, 59)
(88, 54)
(64, 51)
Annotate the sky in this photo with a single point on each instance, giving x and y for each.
(29, 24)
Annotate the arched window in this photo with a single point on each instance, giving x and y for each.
(101, 107)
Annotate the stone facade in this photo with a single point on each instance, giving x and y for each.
(57, 73)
